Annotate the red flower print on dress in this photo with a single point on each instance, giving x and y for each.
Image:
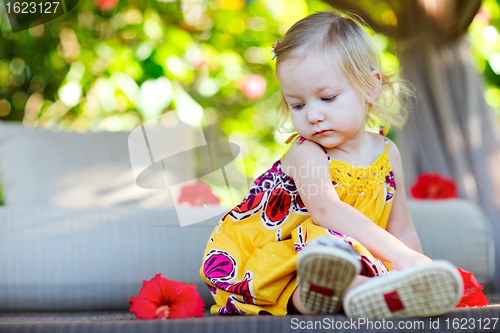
(230, 308)
(161, 298)
(278, 206)
(242, 288)
(198, 194)
(249, 207)
(212, 289)
(274, 195)
(389, 179)
(473, 295)
(433, 186)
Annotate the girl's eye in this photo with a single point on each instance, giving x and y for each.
(329, 99)
(297, 106)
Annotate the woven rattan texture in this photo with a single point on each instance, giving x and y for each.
(123, 322)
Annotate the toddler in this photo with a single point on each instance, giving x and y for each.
(325, 225)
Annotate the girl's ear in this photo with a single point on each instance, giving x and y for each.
(374, 89)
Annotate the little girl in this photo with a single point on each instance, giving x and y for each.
(325, 224)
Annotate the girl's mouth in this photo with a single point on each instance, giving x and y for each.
(322, 132)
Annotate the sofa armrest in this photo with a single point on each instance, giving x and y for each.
(458, 231)
(94, 259)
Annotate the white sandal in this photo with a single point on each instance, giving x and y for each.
(418, 291)
(326, 268)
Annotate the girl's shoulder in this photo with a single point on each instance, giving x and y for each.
(303, 154)
(394, 154)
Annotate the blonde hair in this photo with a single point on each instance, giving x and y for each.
(343, 38)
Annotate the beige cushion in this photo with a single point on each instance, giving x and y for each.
(94, 258)
(90, 169)
(458, 231)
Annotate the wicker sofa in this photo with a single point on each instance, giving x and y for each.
(78, 236)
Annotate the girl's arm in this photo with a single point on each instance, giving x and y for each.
(400, 224)
(308, 165)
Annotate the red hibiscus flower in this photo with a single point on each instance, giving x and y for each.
(433, 186)
(472, 296)
(161, 298)
(198, 194)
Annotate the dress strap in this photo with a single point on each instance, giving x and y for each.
(329, 159)
(384, 130)
(294, 136)
(291, 138)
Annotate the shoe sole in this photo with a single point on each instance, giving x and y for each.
(325, 274)
(420, 291)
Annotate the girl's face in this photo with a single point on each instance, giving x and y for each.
(323, 105)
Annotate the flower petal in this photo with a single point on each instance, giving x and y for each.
(181, 300)
(142, 308)
(433, 186)
(190, 300)
(473, 295)
(151, 289)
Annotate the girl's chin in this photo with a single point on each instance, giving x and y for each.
(325, 142)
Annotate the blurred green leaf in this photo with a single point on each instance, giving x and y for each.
(207, 48)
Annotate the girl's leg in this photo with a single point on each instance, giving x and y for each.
(297, 304)
(357, 281)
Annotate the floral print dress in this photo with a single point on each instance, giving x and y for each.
(250, 260)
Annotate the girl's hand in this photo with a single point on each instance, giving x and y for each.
(409, 258)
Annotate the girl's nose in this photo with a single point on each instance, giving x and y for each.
(315, 116)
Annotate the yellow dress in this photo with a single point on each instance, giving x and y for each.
(250, 260)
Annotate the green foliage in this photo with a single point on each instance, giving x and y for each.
(91, 69)
(87, 70)
(485, 50)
